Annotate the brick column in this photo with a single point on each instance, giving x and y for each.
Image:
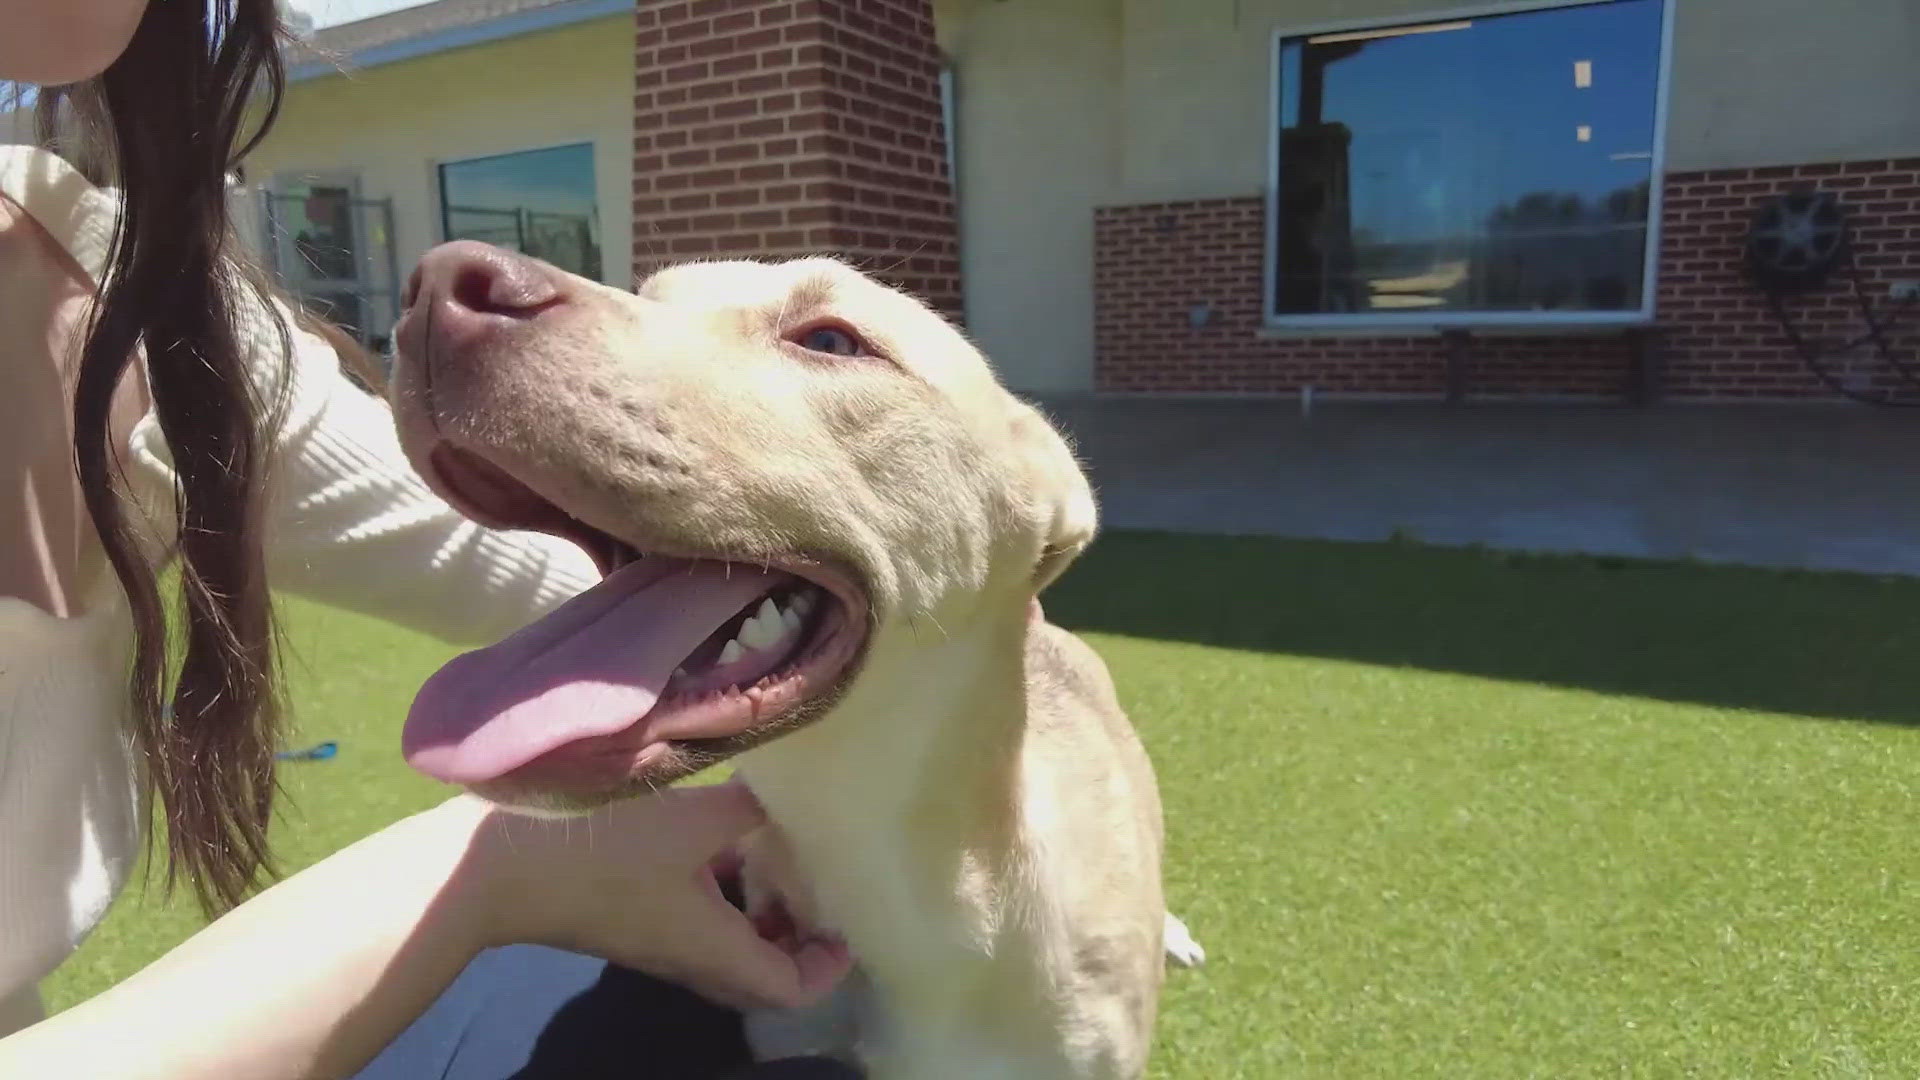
(775, 128)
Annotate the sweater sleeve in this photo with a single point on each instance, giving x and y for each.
(350, 524)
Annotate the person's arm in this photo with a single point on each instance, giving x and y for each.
(313, 977)
(349, 523)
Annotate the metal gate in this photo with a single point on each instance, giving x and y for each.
(334, 251)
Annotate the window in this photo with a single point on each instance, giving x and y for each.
(332, 248)
(1496, 168)
(541, 202)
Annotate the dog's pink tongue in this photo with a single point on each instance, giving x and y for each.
(594, 667)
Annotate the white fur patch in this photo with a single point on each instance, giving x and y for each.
(1182, 949)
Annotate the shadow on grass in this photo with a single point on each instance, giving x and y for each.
(1823, 645)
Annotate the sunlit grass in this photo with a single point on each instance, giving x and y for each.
(1431, 813)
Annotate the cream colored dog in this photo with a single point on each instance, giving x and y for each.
(824, 524)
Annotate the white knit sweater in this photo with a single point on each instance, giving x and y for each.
(348, 523)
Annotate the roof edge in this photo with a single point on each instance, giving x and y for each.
(516, 24)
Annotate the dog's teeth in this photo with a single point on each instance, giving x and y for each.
(802, 603)
(732, 651)
(772, 623)
(790, 618)
(765, 628)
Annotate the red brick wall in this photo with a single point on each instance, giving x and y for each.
(1152, 263)
(774, 128)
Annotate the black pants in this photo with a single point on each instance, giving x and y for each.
(531, 1013)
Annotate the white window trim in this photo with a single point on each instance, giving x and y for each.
(1434, 322)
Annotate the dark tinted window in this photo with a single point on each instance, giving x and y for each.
(541, 202)
(1494, 164)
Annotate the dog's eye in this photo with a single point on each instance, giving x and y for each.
(831, 340)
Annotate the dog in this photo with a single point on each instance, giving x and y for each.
(824, 525)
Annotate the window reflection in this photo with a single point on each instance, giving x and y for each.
(333, 250)
(541, 202)
(1496, 164)
(323, 234)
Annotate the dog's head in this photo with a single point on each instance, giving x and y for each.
(778, 467)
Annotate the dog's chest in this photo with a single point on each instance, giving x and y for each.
(854, 1026)
(929, 945)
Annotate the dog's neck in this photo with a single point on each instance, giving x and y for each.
(902, 807)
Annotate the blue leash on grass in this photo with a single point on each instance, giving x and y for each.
(320, 752)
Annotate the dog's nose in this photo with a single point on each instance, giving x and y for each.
(470, 282)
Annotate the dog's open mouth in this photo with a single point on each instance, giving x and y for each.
(672, 661)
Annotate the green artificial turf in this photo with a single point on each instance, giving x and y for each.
(1432, 813)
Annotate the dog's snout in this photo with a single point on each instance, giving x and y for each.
(464, 294)
(412, 292)
(463, 297)
(471, 280)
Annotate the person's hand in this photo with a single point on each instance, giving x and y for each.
(634, 883)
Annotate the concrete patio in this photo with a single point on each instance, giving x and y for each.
(1823, 486)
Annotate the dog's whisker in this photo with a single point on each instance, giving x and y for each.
(786, 308)
(903, 260)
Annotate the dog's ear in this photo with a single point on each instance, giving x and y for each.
(1059, 492)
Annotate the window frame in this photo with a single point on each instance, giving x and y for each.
(950, 124)
(1436, 321)
(437, 185)
(950, 121)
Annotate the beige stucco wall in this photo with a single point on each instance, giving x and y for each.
(1773, 82)
(393, 124)
(1068, 104)
(1038, 133)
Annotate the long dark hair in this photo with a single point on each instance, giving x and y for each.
(196, 89)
